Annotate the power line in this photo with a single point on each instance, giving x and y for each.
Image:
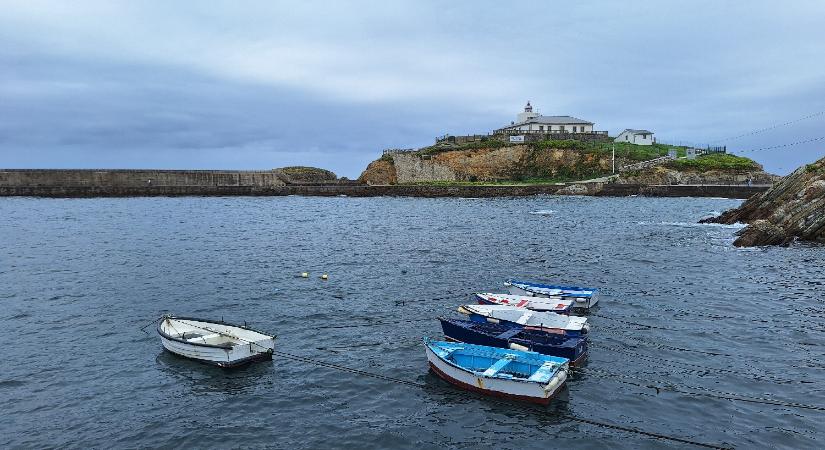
(784, 145)
(772, 127)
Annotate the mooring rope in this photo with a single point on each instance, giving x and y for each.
(673, 387)
(697, 367)
(663, 386)
(456, 392)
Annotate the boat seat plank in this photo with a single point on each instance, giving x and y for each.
(509, 333)
(544, 373)
(204, 337)
(524, 317)
(187, 335)
(495, 368)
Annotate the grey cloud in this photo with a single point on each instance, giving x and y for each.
(190, 84)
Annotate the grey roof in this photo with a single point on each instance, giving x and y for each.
(553, 120)
(631, 131)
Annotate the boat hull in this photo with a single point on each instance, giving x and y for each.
(527, 392)
(225, 358)
(572, 348)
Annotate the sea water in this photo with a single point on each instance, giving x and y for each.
(694, 339)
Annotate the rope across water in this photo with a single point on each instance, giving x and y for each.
(560, 415)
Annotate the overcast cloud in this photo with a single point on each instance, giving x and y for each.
(257, 85)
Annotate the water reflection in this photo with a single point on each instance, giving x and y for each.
(205, 378)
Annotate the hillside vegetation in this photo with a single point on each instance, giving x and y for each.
(719, 161)
(547, 161)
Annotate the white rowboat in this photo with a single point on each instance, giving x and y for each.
(552, 304)
(546, 321)
(217, 343)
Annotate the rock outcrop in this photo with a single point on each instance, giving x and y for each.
(496, 163)
(794, 208)
(381, 171)
(665, 175)
(301, 174)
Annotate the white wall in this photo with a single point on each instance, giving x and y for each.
(567, 128)
(637, 139)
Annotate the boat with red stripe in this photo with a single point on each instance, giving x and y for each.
(551, 304)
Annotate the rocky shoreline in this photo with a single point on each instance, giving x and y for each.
(794, 208)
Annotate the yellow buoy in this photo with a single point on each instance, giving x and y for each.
(324, 277)
(304, 274)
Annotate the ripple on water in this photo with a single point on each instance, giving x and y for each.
(681, 310)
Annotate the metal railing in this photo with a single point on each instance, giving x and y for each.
(514, 132)
(391, 151)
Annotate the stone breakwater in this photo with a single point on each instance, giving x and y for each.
(101, 180)
(148, 183)
(794, 208)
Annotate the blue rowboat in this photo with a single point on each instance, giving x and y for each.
(499, 335)
(583, 297)
(519, 375)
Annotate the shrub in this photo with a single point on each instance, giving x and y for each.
(716, 161)
(566, 144)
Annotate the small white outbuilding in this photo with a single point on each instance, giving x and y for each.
(638, 137)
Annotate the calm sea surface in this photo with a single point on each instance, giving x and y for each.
(686, 323)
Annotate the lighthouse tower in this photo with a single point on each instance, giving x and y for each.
(527, 114)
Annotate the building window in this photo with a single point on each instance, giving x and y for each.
(561, 128)
(541, 127)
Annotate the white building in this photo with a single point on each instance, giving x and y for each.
(529, 121)
(638, 137)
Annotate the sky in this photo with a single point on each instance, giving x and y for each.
(265, 84)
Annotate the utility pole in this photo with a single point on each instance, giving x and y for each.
(614, 158)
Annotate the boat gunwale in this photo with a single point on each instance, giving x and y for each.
(165, 335)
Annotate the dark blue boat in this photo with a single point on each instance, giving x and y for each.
(500, 335)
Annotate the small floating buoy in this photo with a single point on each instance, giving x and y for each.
(304, 274)
(324, 277)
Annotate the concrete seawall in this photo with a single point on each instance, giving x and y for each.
(137, 178)
(174, 183)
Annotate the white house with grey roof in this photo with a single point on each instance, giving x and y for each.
(533, 122)
(638, 137)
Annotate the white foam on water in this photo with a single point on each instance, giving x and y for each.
(735, 226)
(542, 212)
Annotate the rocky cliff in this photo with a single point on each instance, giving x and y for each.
(494, 163)
(794, 208)
(557, 160)
(667, 175)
